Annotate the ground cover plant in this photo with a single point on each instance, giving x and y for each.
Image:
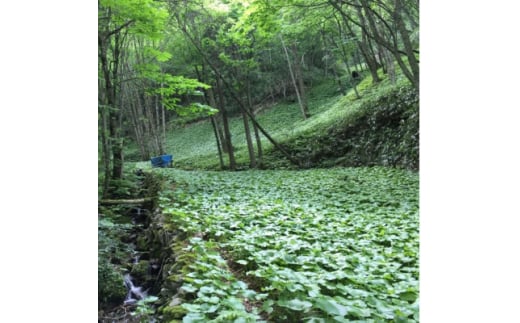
(193, 144)
(321, 245)
(343, 130)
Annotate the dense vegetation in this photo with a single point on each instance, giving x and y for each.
(382, 128)
(165, 61)
(294, 127)
(309, 245)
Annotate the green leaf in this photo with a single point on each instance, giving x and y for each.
(189, 288)
(331, 307)
(358, 312)
(194, 318)
(408, 296)
(295, 304)
(191, 307)
(234, 303)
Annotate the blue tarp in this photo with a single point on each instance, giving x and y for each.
(162, 161)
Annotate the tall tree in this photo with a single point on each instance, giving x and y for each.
(297, 79)
(385, 23)
(137, 79)
(117, 19)
(186, 16)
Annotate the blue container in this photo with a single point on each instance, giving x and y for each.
(162, 161)
(167, 160)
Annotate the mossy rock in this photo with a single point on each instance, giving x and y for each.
(140, 270)
(173, 312)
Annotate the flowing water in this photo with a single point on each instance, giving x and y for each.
(135, 293)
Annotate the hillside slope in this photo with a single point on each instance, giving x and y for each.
(384, 130)
(380, 128)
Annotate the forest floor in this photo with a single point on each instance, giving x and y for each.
(316, 245)
(193, 144)
(312, 245)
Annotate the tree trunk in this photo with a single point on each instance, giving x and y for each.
(135, 118)
(260, 159)
(163, 122)
(141, 120)
(405, 37)
(250, 148)
(364, 45)
(117, 146)
(412, 71)
(221, 160)
(125, 201)
(369, 59)
(296, 89)
(220, 131)
(220, 77)
(117, 162)
(389, 62)
(211, 101)
(258, 162)
(105, 142)
(111, 151)
(344, 57)
(148, 108)
(158, 125)
(301, 86)
(227, 133)
(358, 60)
(353, 81)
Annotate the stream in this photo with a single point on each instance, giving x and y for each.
(140, 273)
(135, 293)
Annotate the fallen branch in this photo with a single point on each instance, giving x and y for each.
(126, 201)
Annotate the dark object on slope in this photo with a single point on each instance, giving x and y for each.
(162, 161)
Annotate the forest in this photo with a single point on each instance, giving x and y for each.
(258, 161)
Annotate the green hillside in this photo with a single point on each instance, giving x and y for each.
(380, 128)
(312, 218)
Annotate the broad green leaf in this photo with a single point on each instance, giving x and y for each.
(295, 304)
(331, 307)
(408, 296)
(191, 307)
(189, 288)
(194, 318)
(358, 312)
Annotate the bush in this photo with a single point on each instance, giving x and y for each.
(111, 284)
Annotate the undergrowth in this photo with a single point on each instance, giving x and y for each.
(318, 245)
(321, 140)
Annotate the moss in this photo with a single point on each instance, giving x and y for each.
(175, 277)
(173, 312)
(142, 243)
(140, 270)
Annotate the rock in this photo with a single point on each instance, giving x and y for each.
(176, 301)
(141, 270)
